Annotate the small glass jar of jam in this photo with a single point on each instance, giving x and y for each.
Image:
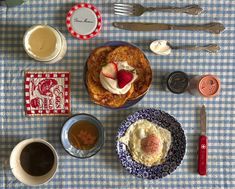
(204, 85)
(176, 82)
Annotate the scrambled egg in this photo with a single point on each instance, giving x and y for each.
(147, 142)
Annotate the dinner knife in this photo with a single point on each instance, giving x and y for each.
(213, 27)
(203, 147)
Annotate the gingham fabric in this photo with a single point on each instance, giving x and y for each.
(104, 169)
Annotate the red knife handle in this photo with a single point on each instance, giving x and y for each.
(202, 155)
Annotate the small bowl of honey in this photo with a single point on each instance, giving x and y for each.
(82, 135)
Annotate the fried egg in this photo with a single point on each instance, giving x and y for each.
(147, 142)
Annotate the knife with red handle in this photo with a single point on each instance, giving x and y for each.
(203, 144)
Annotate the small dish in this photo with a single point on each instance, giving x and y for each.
(175, 154)
(75, 151)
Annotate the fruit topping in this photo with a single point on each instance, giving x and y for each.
(124, 77)
(110, 70)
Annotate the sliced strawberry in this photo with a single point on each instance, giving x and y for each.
(110, 70)
(124, 77)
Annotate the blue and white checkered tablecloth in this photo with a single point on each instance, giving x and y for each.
(104, 170)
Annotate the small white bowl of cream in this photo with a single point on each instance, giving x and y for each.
(45, 44)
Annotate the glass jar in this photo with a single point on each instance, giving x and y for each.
(45, 44)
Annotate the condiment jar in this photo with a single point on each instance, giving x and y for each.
(176, 82)
(45, 44)
(205, 85)
(84, 21)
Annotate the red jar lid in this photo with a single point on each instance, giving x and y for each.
(84, 21)
(209, 86)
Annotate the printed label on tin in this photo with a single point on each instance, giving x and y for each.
(84, 21)
(47, 93)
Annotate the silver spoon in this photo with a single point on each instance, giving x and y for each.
(163, 47)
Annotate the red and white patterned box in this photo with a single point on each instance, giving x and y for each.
(47, 93)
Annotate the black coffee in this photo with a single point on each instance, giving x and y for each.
(37, 159)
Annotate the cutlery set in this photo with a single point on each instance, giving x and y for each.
(127, 9)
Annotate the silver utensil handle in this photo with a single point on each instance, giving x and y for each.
(191, 9)
(210, 48)
(213, 27)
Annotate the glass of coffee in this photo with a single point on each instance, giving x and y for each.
(34, 161)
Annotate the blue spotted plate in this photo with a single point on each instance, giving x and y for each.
(175, 154)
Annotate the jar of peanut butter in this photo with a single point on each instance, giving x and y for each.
(45, 44)
(204, 85)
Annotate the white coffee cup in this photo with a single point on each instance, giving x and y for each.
(20, 173)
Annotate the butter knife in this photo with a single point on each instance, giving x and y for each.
(213, 27)
(203, 147)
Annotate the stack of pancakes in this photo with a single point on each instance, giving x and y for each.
(103, 55)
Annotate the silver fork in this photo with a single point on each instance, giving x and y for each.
(127, 9)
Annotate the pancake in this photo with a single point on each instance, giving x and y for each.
(136, 59)
(96, 60)
(101, 56)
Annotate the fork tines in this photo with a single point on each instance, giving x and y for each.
(123, 9)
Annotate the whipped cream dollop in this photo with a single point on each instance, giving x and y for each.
(112, 84)
(160, 47)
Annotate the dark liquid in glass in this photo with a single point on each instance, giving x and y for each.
(37, 159)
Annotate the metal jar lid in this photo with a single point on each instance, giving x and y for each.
(177, 82)
(84, 21)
